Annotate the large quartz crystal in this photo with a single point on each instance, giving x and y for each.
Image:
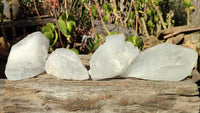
(112, 58)
(27, 57)
(166, 61)
(65, 64)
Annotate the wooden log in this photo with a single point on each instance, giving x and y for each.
(29, 22)
(85, 59)
(2, 91)
(48, 94)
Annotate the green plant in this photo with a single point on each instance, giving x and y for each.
(188, 5)
(92, 46)
(50, 32)
(67, 25)
(75, 50)
(137, 41)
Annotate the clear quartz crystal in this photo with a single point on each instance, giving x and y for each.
(112, 58)
(27, 57)
(166, 61)
(65, 64)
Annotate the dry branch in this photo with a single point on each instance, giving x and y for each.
(182, 31)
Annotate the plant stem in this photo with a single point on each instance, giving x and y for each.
(59, 35)
(92, 21)
(136, 16)
(38, 13)
(159, 14)
(188, 16)
(99, 14)
(126, 19)
(144, 27)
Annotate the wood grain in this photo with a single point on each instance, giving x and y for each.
(48, 94)
(2, 91)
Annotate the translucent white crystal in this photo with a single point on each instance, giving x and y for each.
(27, 57)
(163, 62)
(112, 58)
(65, 64)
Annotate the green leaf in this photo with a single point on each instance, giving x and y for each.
(131, 15)
(55, 39)
(46, 29)
(75, 50)
(94, 11)
(150, 24)
(71, 25)
(156, 18)
(51, 25)
(105, 7)
(192, 7)
(62, 26)
(137, 41)
(149, 12)
(71, 18)
(187, 3)
(49, 35)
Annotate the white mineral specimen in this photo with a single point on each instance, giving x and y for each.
(166, 61)
(112, 58)
(27, 57)
(65, 64)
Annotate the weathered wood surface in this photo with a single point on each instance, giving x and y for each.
(48, 94)
(2, 91)
(85, 59)
(29, 22)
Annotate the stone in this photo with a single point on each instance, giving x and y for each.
(17, 9)
(65, 64)
(166, 62)
(27, 57)
(112, 58)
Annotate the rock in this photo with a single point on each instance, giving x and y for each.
(150, 42)
(65, 64)
(196, 13)
(17, 9)
(27, 57)
(113, 28)
(112, 58)
(176, 39)
(166, 61)
(3, 49)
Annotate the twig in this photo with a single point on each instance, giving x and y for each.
(85, 5)
(170, 26)
(100, 17)
(54, 11)
(130, 8)
(92, 21)
(159, 14)
(38, 13)
(136, 17)
(186, 30)
(144, 27)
